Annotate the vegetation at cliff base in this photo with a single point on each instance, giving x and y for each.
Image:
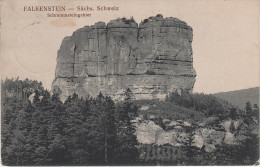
(38, 129)
(79, 131)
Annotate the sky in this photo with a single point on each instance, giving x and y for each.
(225, 37)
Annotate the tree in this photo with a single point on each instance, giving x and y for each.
(72, 128)
(248, 108)
(101, 130)
(57, 152)
(127, 152)
(190, 131)
(109, 130)
(128, 95)
(256, 113)
(233, 113)
(16, 148)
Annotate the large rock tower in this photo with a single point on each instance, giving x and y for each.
(151, 59)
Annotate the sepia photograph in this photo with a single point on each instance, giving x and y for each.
(129, 83)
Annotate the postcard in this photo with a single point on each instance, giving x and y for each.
(151, 82)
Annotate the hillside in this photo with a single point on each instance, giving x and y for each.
(240, 97)
(183, 129)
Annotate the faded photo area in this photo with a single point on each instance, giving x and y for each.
(158, 82)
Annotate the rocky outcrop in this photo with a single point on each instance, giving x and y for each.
(176, 134)
(151, 59)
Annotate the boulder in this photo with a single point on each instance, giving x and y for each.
(146, 132)
(210, 148)
(144, 108)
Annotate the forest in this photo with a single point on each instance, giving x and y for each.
(37, 128)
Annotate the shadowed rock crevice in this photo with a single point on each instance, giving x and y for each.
(110, 58)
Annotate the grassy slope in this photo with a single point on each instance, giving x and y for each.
(240, 97)
(170, 111)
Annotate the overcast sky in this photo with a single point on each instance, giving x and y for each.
(225, 32)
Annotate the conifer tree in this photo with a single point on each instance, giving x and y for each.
(248, 108)
(102, 134)
(256, 113)
(127, 152)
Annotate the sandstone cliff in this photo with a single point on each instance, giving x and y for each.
(151, 59)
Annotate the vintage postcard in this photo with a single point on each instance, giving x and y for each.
(140, 82)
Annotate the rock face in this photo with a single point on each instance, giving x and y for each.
(148, 132)
(151, 59)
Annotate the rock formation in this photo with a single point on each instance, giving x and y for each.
(148, 132)
(151, 59)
